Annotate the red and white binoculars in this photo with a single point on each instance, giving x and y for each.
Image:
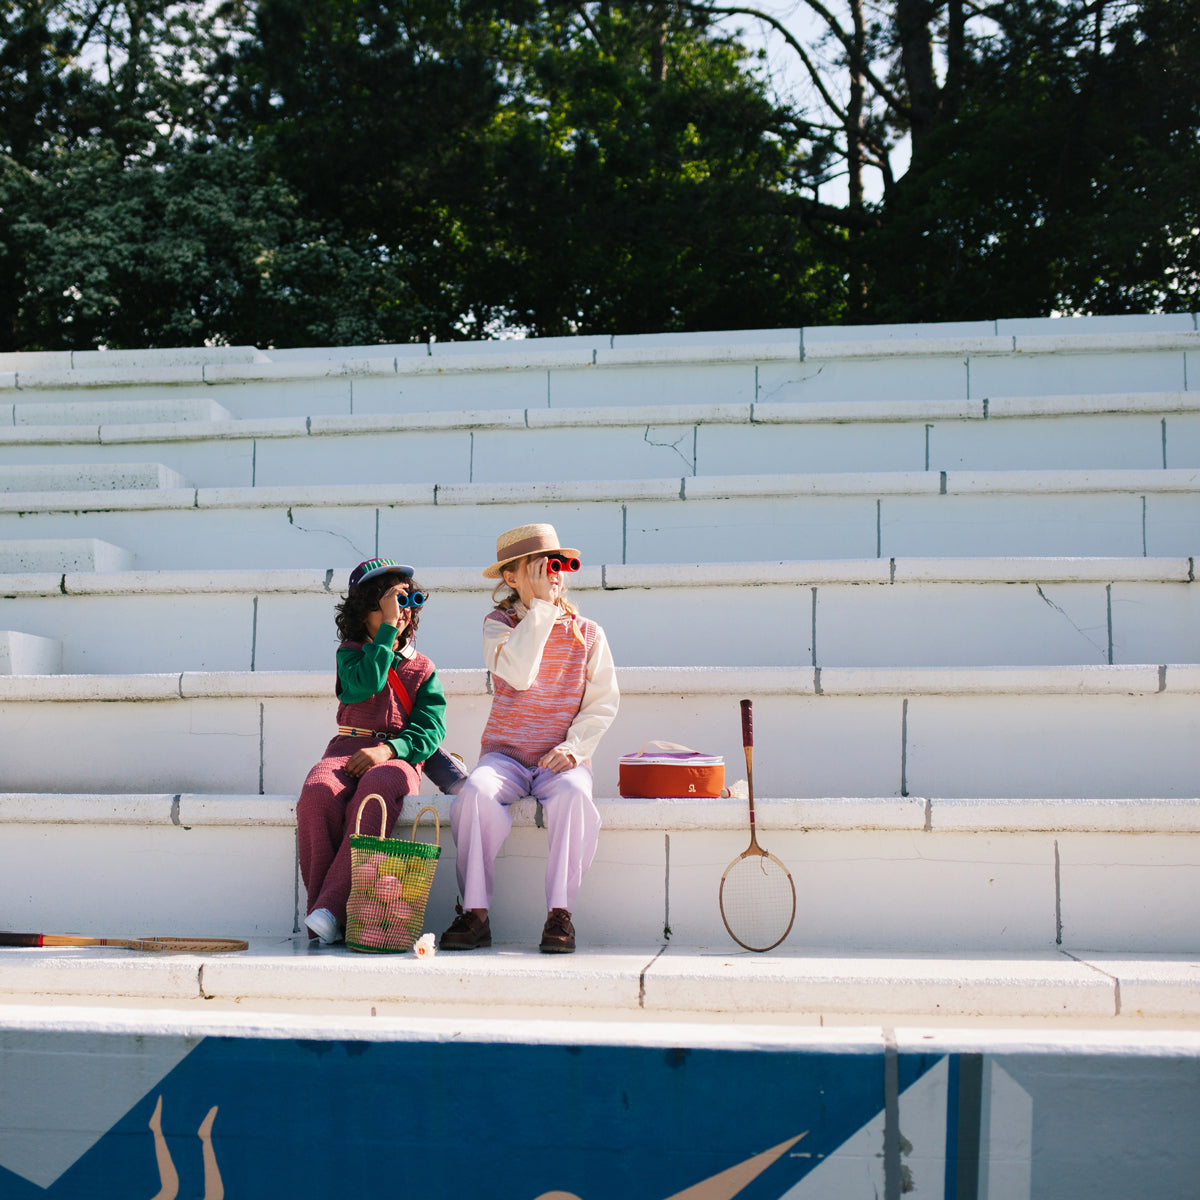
(556, 563)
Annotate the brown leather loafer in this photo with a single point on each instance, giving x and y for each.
(558, 934)
(467, 931)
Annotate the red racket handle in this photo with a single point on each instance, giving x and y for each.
(747, 723)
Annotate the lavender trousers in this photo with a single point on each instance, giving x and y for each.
(480, 819)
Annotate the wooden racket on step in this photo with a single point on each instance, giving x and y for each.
(757, 896)
(179, 945)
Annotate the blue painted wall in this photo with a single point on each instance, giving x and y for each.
(328, 1119)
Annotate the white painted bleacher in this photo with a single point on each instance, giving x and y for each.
(952, 565)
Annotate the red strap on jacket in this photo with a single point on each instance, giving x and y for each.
(400, 690)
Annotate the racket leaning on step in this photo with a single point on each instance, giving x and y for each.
(194, 945)
(757, 895)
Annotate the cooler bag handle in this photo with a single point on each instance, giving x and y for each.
(664, 748)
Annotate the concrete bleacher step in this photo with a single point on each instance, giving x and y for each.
(1142, 431)
(28, 654)
(993, 358)
(852, 613)
(26, 415)
(155, 358)
(715, 518)
(21, 482)
(61, 556)
(1073, 731)
(72, 376)
(1120, 993)
(882, 873)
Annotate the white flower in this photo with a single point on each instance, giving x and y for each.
(424, 946)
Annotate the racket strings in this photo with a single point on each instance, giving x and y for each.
(758, 901)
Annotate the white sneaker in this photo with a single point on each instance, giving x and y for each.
(323, 925)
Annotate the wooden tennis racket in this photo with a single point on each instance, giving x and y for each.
(757, 896)
(177, 944)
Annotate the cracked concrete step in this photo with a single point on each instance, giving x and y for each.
(840, 613)
(717, 519)
(1144, 431)
(1077, 731)
(990, 358)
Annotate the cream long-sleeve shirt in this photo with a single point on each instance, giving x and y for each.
(515, 654)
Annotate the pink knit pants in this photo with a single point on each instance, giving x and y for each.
(480, 819)
(328, 809)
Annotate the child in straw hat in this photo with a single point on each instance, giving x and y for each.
(554, 694)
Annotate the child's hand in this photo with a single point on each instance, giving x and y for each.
(557, 761)
(543, 584)
(389, 608)
(361, 761)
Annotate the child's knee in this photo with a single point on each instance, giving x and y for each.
(468, 798)
(573, 786)
(388, 780)
(483, 796)
(370, 818)
(572, 801)
(485, 785)
(316, 800)
(326, 776)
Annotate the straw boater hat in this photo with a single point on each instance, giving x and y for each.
(525, 539)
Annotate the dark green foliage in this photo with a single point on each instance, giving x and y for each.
(200, 248)
(1068, 181)
(666, 200)
(539, 173)
(285, 172)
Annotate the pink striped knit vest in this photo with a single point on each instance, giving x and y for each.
(525, 725)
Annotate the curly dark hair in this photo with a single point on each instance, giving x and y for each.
(352, 611)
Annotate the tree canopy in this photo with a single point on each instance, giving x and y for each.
(1068, 179)
(285, 172)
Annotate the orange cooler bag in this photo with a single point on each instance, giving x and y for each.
(662, 769)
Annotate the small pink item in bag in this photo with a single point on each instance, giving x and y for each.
(664, 769)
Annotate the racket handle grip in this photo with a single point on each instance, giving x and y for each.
(747, 723)
(20, 939)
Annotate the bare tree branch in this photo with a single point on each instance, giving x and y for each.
(814, 74)
(93, 19)
(885, 93)
(587, 20)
